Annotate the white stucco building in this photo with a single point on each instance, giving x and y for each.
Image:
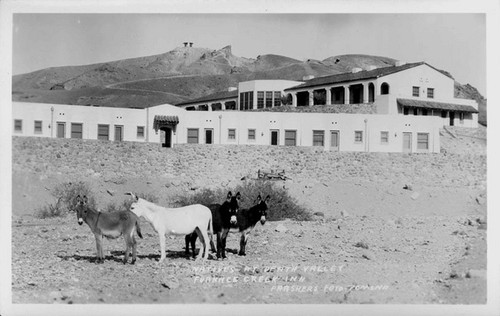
(409, 103)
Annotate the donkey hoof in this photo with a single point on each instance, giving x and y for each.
(242, 254)
(132, 262)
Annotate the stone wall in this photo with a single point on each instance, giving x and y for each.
(213, 165)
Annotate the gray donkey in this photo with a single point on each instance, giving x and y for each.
(110, 225)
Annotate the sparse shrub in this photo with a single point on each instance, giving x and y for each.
(281, 204)
(66, 194)
(50, 210)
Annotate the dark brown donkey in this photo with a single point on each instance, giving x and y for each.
(110, 225)
(223, 217)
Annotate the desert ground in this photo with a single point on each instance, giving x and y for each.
(389, 228)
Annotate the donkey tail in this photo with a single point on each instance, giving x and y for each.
(138, 229)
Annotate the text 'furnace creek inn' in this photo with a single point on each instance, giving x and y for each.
(392, 109)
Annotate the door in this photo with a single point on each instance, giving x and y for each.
(407, 142)
(274, 137)
(209, 136)
(61, 130)
(334, 140)
(452, 118)
(166, 137)
(118, 133)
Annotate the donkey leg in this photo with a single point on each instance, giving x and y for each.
(128, 243)
(243, 243)
(203, 238)
(223, 242)
(219, 245)
(134, 250)
(100, 254)
(162, 247)
(193, 243)
(187, 239)
(212, 246)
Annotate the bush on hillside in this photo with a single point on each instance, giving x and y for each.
(281, 205)
(66, 194)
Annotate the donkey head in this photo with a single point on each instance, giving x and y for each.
(81, 208)
(135, 207)
(262, 207)
(233, 205)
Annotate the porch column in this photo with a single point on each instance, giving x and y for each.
(294, 99)
(210, 106)
(223, 106)
(346, 94)
(365, 92)
(328, 96)
(311, 97)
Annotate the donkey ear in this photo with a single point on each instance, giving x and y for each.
(238, 195)
(78, 199)
(133, 195)
(267, 199)
(229, 195)
(258, 199)
(85, 200)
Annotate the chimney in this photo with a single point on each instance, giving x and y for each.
(232, 89)
(185, 44)
(308, 77)
(356, 69)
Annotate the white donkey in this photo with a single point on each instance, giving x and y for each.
(176, 221)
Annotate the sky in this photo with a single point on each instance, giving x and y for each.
(455, 42)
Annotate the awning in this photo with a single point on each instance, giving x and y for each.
(165, 121)
(436, 105)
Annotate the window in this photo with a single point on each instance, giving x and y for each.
(277, 98)
(430, 93)
(192, 136)
(318, 138)
(384, 137)
(443, 114)
(140, 131)
(416, 91)
(269, 99)
(38, 127)
(358, 136)
(423, 141)
(76, 130)
(260, 99)
(290, 138)
(246, 100)
(415, 111)
(251, 134)
(231, 134)
(103, 132)
(424, 112)
(18, 125)
(242, 99)
(405, 111)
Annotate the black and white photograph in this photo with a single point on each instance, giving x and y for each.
(166, 158)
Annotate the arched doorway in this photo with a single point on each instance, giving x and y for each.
(371, 92)
(384, 88)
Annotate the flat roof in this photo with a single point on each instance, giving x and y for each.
(212, 97)
(436, 105)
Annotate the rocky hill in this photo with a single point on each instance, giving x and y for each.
(179, 75)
